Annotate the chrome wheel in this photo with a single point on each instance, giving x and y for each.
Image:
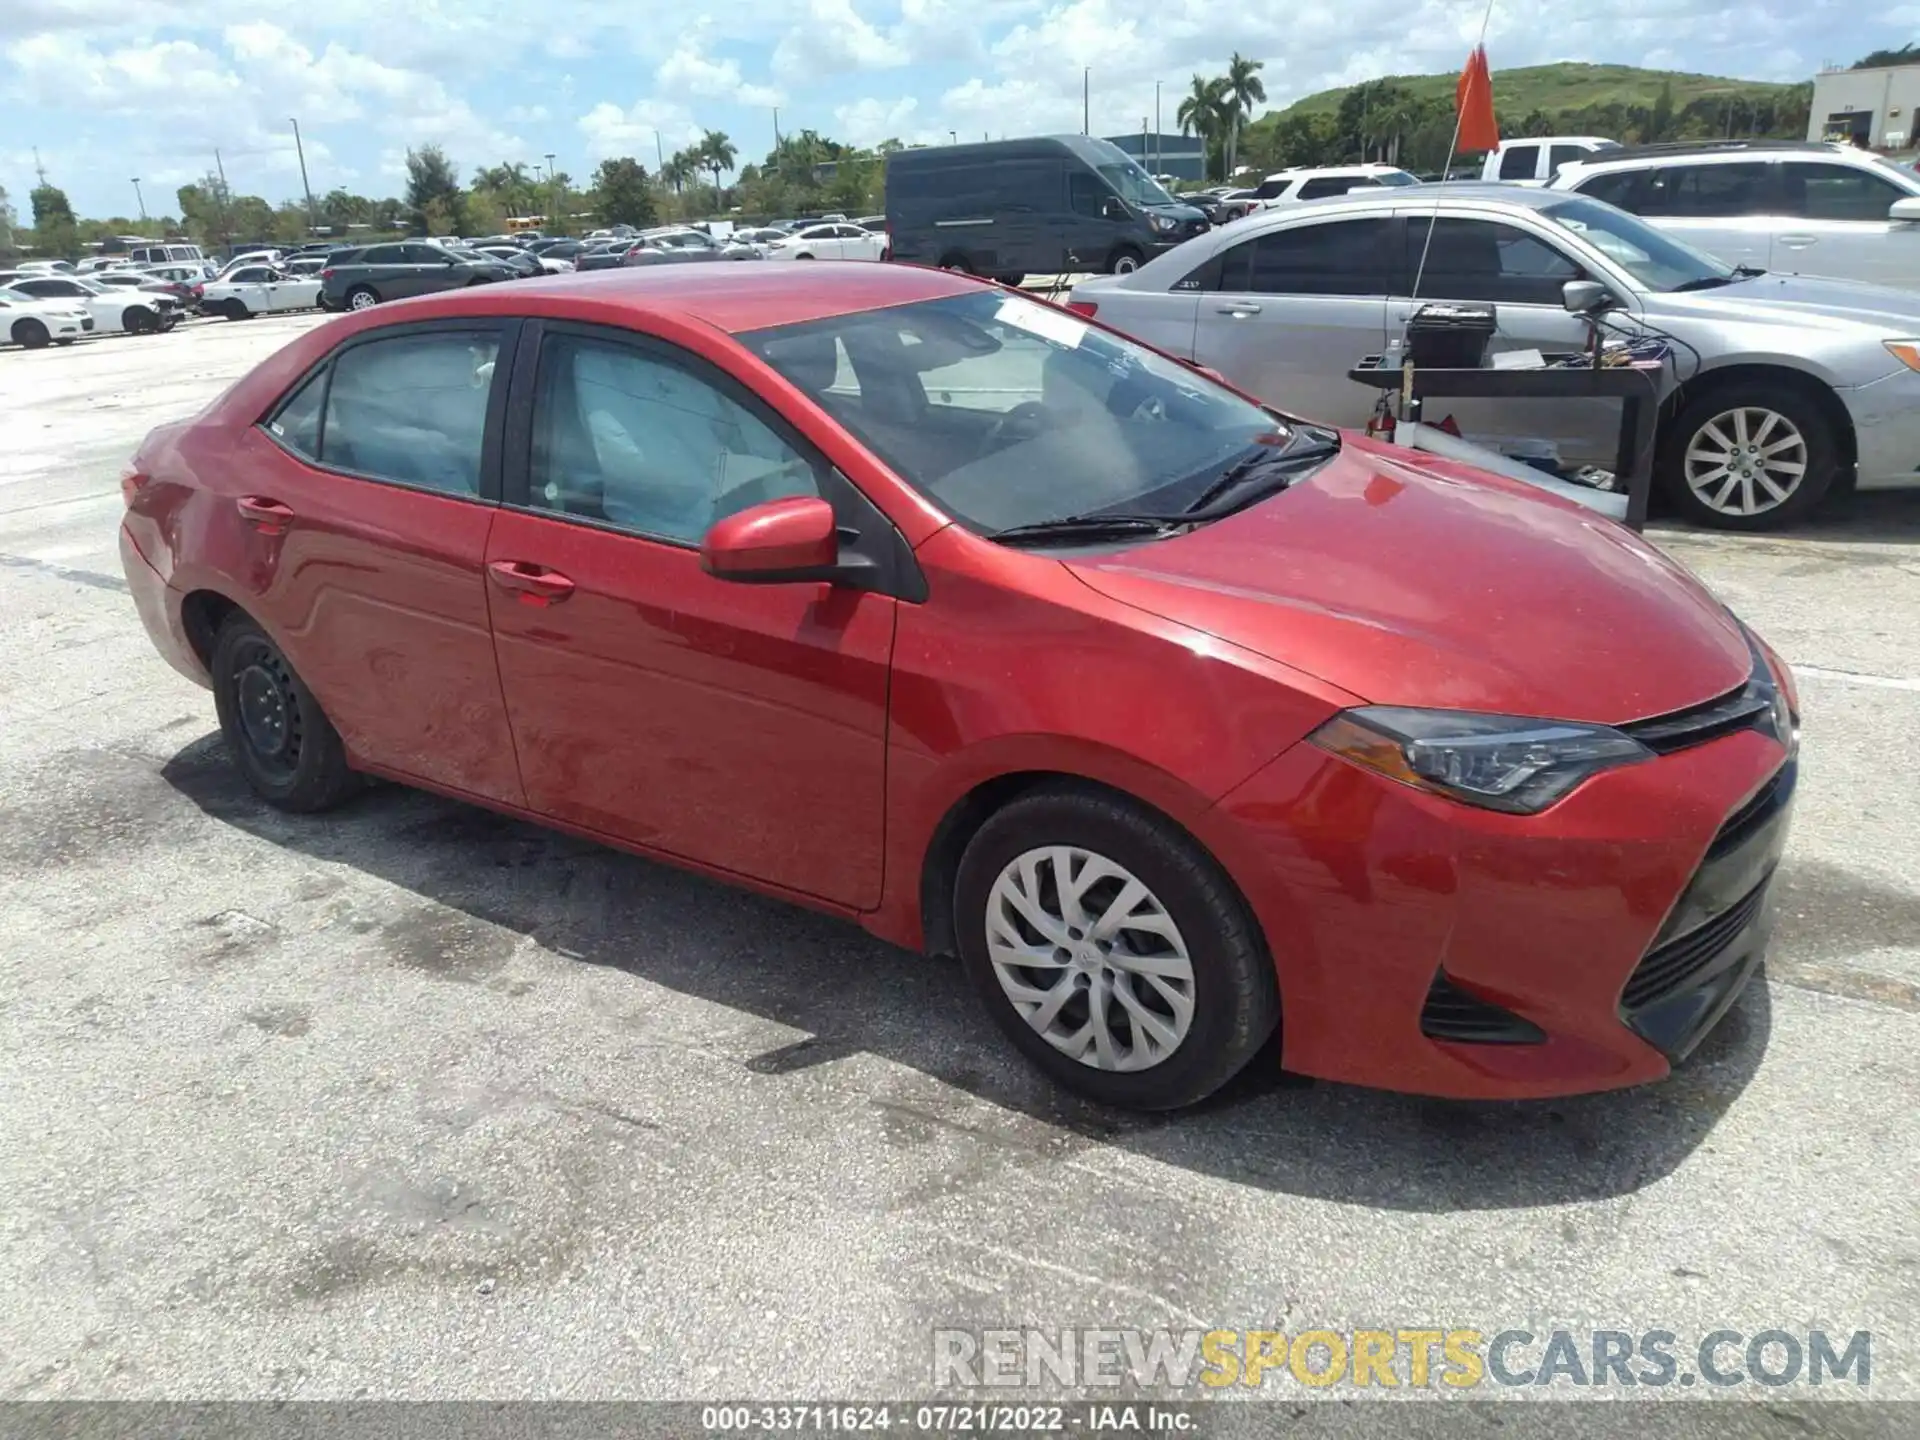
(1746, 461)
(1090, 958)
(362, 300)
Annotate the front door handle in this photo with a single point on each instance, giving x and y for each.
(269, 517)
(534, 584)
(1245, 308)
(1796, 242)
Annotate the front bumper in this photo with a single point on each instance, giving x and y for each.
(1886, 429)
(1587, 948)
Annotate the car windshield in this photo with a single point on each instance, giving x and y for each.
(93, 286)
(1009, 413)
(1395, 177)
(1655, 259)
(1134, 185)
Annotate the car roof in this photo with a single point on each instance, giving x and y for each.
(732, 298)
(1481, 191)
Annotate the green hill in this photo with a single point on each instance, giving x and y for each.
(1566, 86)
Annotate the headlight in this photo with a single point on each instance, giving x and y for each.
(1498, 762)
(1907, 352)
(1166, 222)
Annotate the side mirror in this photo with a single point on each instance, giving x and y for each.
(775, 542)
(1583, 297)
(1112, 209)
(1908, 209)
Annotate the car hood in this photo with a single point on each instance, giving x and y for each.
(1803, 303)
(1409, 581)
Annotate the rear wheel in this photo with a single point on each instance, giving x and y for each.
(1124, 261)
(362, 297)
(1111, 950)
(1749, 457)
(64, 340)
(281, 740)
(30, 334)
(958, 264)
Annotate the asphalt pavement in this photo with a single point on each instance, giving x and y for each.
(411, 1101)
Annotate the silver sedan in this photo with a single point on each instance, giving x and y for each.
(1782, 389)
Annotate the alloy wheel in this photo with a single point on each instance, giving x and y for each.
(1090, 958)
(1746, 461)
(361, 300)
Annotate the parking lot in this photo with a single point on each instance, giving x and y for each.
(413, 1101)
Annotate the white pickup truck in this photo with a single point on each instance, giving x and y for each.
(1537, 159)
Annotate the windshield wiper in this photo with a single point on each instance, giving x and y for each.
(1747, 272)
(1090, 527)
(1703, 282)
(1316, 446)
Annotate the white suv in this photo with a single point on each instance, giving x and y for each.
(1806, 209)
(1289, 187)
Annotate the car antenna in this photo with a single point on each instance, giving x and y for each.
(1446, 171)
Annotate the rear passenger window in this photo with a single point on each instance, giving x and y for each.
(412, 409)
(1706, 191)
(1520, 162)
(1323, 186)
(297, 423)
(1616, 187)
(1344, 257)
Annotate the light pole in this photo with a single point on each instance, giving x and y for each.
(553, 186)
(301, 150)
(953, 137)
(1156, 127)
(1086, 101)
(138, 201)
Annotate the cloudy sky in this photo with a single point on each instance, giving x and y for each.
(110, 89)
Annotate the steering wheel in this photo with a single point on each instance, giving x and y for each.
(1026, 413)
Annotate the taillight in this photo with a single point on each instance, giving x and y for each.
(327, 274)
(199, 291)
(132, 479)
(1083, 307)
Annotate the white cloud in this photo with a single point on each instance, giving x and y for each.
(867, 122)
(688, 73)
(832, 39)
(644, 130)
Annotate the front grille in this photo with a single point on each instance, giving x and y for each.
(1754, 816)
(1736, 710)
(1452, 1014)
(1671, 968)
(87, 324)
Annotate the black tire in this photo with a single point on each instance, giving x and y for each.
(803, 256)
(1236, 997)
(136, 321)
(1124, 261)
(1016, 279)
(362, 297)
(30, 334)
(280, 739)
(65, 340)
(237, 310)
(959, 264)
(1819, 452)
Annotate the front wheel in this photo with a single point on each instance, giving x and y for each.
(1749, 457)
(136, 321)
(1124, 261)
(284, 745)
(30, 334)
(1111, 950)
(237, 310)
(64, 340)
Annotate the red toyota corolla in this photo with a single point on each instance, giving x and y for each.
(908, 598)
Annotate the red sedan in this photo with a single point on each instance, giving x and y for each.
(907, 598)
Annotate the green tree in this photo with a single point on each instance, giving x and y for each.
(1905, 55)
(1204, 113)
(1244, 91)
(433, 181)
(1660, 124)
(512, 185)
(55, 232)
(715, 152)
(9, 243)
(622, 193)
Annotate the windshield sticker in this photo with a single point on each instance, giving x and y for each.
(1048, 324)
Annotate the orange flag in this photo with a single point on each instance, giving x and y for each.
(1473, 97)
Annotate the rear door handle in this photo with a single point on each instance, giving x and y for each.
(269, 517)
(534, 584)
(1246, 309)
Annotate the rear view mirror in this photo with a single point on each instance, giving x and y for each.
(781, 540)
(1908, 209)
(1583, 297)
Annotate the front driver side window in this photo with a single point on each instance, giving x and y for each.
(1486, 261)
(1086, 195)
(624, 437)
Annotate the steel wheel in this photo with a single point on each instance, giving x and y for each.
(269, 707)
(1090, 958)
(1746, 461)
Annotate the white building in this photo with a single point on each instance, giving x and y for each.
(1867, 107)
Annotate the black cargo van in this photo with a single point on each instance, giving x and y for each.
(1011, 208)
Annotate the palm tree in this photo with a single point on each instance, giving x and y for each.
(1244, 91)
(1204, 111)
(677, 170)
(715, 152)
